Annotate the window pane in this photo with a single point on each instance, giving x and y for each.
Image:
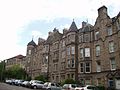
(73, 50)
(81, 38)
(98, 67)
(97, 35)
(111, 47)
(87, 52)
(81, 52)
(73, 62)
(97, 50)
(68, 51)
(113, 64)
(87, 67)
(86, 38)
(29, 52)
(81, 67)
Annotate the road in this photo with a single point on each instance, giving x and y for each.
(4, 86)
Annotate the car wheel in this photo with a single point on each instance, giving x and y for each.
(35, 87)
(49, 89)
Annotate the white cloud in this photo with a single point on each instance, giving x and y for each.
(16, 13)
(37, 34)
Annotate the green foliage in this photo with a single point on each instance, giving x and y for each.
(101, 87)
(41, 78)
(16, 72)
(28, 78)
(68, 81)
(2, 70)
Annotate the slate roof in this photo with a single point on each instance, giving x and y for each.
(31, 43)
(73, 27)
(87, 28)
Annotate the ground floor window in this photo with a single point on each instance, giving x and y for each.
(110, 83)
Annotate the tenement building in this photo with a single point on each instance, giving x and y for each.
(90, 54)
(16, 60)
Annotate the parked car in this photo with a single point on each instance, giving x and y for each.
(51, 86)
(25, 84)
(32, 81)
(69, 86)
(87, 87)
(16, 82)
(10, 81)
(37, 84)
(19, 82)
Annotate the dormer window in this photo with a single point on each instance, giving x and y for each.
(86, 38)
(81, 38)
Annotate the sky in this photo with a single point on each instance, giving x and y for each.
(22, 20)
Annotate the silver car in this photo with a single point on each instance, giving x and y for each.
(51, 86)
(69, 86)
(37, 84)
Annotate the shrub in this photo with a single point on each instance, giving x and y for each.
(68, 81)
(101, 87)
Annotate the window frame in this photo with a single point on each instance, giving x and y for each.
(87, 52)
(112, 65)
(29, 52)
(81, 67)
(87, 67)
(73, 50)
(86, 38)
(97, 50)
(68, 50)
(72, 62)
(81, 52)
(111, 47)
(98, 66)
(97, 35)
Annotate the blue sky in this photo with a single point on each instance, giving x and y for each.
(20, 20)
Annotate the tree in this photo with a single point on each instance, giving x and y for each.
(2, 70)
(41, 78)
(16, 72)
